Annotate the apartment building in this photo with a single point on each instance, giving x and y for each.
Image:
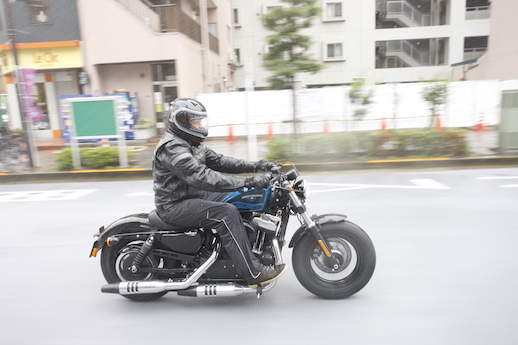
(381, 41)
(158, 49)
(155, 50)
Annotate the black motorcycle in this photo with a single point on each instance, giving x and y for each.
(143, 258)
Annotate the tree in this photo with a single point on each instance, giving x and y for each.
(288, 49)
(436, 95)
(360, 98)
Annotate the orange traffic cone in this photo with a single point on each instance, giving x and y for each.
(383, 124)
(269, 135)
(438, 123)
(480, 124)
(230, 136)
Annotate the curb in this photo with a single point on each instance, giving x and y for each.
(146, 174)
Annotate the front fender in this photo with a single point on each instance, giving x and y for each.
(320, 219)
(140, 221)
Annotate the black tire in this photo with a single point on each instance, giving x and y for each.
(355, 253)
(115, 262)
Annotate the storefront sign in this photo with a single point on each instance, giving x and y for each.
(43, 55)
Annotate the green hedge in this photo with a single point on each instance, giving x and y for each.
(91, 158)
(425, 143)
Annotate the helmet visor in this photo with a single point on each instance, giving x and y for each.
(198, 123)
(193, 123)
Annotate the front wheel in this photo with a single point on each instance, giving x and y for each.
(350, 269)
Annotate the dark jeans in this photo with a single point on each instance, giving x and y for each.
(209, 213)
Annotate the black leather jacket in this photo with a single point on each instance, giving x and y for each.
(180, 168)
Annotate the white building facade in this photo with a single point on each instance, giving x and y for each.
(377, 40)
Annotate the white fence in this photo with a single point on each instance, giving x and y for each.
(329, 109)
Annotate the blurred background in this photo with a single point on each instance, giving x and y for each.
(150, 52)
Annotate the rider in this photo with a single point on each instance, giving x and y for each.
(190, 181)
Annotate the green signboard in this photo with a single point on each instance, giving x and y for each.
(95, 118)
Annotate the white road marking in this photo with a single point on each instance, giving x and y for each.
(45, 195)
(497, 177)
(418, 184)
(501, 178)
(141, 194)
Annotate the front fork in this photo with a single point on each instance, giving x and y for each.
(312, 226)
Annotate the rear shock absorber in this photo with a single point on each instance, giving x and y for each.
(142, 253)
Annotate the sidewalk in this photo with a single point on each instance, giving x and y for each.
(483, 144)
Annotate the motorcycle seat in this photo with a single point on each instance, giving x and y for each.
(155, 220)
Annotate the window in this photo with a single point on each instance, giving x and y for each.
(236, 17)
(270, 8)
(478, 9)
(237, 55)
(475, 47)
(333, 11)
(164, 72)
(39, 11)
(333, 52)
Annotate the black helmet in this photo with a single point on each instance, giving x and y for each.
(188, 119)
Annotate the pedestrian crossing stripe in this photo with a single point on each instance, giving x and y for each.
(45, 195)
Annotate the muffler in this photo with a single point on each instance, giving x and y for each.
(155, 286)
(222, 290)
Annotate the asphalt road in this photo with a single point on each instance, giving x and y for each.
(447, 267)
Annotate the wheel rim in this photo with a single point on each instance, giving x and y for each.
(343, 264)
(125, 259)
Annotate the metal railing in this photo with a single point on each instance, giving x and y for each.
(474, 53)
(478, 12)
(168, 18)
(421, 57)
(402, 7)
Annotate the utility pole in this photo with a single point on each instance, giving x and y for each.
(27, 128)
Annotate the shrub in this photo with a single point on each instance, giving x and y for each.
(370, 145)
(144, 123)
(91, 158)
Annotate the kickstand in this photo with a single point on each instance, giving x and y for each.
(259, 291)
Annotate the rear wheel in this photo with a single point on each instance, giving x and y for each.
(350, 269)
(116, 262)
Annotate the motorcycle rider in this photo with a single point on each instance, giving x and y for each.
(190, 180)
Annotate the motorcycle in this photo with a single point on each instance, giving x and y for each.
(143, 258)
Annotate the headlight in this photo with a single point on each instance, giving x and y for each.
(302, 188)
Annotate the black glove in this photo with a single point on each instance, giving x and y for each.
(258, 181)
(264, 165)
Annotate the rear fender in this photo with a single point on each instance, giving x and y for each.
(139, 222)
(321, 219)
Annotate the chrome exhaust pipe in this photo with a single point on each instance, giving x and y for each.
(155, 286)
(221, 290)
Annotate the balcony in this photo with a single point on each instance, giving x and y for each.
(478, 12)
(168, 18)
(403, 14)
(410, 53)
